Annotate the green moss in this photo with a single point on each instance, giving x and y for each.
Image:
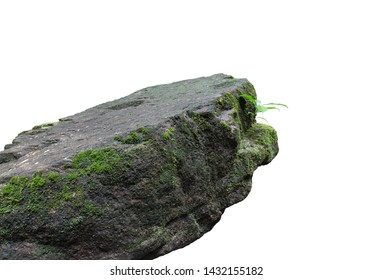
(168, 175)
(5, 233)
(37, 194)
(66, 193)
(54, 177)
(250, 102)
(242, 104)
(75, 222)
(44, 125)
(168, 134)
(119, 138)
(225, 125)
(247, 110)
(259, 147)
(34, 207)
(11, 194)
(144, 133)
(249, 88)
(262, 134)
(72, 177)
(248, 97)
(132, 138)
(135, 137)
(14, 180)
(227, 102)
(201, 121)
(90, 208)
(43, 193)
(185, 129)
(96, 161)
(37, 182)
(7, 189)
(168, 171)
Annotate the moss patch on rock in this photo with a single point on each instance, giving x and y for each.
(44, 125)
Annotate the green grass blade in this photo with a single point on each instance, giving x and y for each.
(272, 107)
(261, 108)
(276, 104)
(249, 98)
(262, 118)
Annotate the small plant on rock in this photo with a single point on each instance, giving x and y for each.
(263, 107)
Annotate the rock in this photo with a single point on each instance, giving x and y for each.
(135, 178)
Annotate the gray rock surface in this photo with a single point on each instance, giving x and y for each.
(133, 178)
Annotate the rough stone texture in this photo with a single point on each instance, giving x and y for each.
(134, 178)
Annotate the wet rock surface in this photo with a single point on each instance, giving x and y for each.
(133, 178)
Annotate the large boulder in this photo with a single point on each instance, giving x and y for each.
(133, 178)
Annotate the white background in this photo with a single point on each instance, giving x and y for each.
(309, 213)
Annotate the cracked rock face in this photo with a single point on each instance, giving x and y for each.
(134, 178)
